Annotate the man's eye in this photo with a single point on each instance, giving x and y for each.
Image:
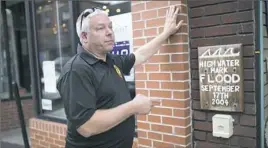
(100, 28)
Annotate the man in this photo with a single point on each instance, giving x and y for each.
(97, 102)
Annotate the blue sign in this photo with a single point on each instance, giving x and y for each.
(121, 48)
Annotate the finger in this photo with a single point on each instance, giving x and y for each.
(179, 24)
(171, 10)
(175, 14)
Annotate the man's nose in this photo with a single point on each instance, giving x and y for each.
(109, 31)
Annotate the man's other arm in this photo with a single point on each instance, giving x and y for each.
(104, 120)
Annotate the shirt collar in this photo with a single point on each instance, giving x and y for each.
(89, 58)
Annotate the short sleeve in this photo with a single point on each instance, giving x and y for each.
(125, 62)
(78, 93)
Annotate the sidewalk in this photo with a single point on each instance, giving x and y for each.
(12, 139)
(10, 145)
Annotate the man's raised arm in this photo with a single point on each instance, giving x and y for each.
(143, 53)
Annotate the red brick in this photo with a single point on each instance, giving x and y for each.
(176, 121)
(137, 33)
(141, 76)
(149, 14)
(156, 4)
(151, 67)
(155, 136)
(35, 141)
(180, 76)
(162, 12)
(140, 84)
(175, 2)
(158, 144)
(160, 93)
(136, 16)
(179, 57)
(142, 117)
(157, 22)
(175, 85)
(54, 136)
(175, 139)
(59, 142)
(176, 103)
(44, 143)
(159, 76)
(138, 7)
(139, 42)
(143, 125)
(178, 39)
(174, 48)
(161, 128)
(50, 140)
(150, 32)
(159, 59)
(54, 146)
(142, 134)
(143, 141)
(39, 137)
(180, 94)
(62, 138)
(139, 68)
(174, 67)
(152, 84)
(138, 25)
(161, 111)
(153, 118)
(181, 112)
(183, 131)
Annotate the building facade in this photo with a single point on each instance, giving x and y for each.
(219, 31)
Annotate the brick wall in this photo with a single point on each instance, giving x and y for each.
(9, 113)
(165, 76)
(223, 22)
(45, 134)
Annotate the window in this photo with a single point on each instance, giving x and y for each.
(18, 53)
(54, 50)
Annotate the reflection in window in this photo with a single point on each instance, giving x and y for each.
(54, 48)
(19, 55)
(4, 86)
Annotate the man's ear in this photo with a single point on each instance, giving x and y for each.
(84, 36)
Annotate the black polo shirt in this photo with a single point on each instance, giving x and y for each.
(87, 84)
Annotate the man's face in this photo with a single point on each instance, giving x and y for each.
(101, 35)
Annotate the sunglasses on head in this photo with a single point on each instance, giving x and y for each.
(87, 12)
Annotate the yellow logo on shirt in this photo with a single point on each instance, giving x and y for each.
(118, 71)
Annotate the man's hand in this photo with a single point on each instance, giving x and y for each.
(171, 26)
(143, 104)
(143, 53)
